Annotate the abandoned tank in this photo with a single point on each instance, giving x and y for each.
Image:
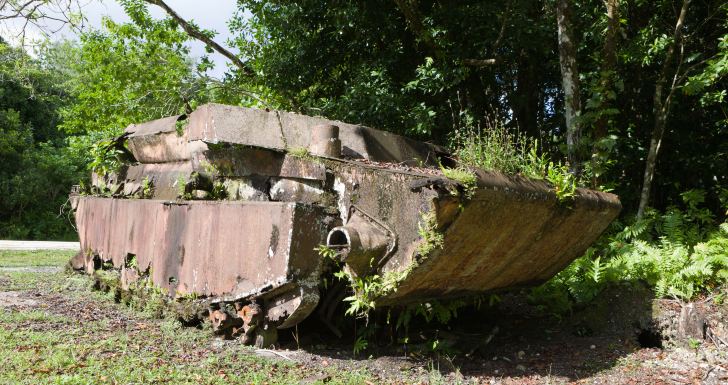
(239, 209)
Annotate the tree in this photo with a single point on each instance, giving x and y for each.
(570, 82)
(38, 167)
(45, 16)
(129, 73)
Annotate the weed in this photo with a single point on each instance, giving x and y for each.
(326, 252)
(431, 237)
(497, 148)
(181, 184)
(366, 290)
(180, 126)
(300, 152)
(535, 165)
(210, 169)
(563, 181)
(360, 345)
(493, 148)
(218, 192)
(719, 299)
(464, 177)
(694, 344)
(105, 157)
(147, 188)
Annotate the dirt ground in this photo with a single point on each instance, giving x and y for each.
(626, 339)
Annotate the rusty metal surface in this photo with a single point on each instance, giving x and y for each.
(245, 161)
(158, 141)
(163, 177)
(216, 123)
(513, 233)
(226, 249)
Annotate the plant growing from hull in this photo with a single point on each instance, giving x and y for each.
(535, 165)
(147, 188)
(367, 289)
(431, 238)
(210, 169)
(180, 126)
(304, 154)
(493, 147)
(106, 157)
(218, 192)
(496, 148)
(466, 178)
(181, 184)
(326, 252)
(563, 182)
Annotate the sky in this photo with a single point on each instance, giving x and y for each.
(209, 14)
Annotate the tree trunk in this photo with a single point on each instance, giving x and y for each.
(524, 99)
(570, 82)
(661, 110)
(606, 87)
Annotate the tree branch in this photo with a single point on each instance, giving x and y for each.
(480, 62)
(195, 32)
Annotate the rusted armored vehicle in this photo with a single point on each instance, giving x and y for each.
(242, 207)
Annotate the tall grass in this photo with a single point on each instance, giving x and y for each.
(495, 147)
(492, 147)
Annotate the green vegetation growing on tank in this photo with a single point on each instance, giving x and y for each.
(181, 184)
(304, 154)
(147, 188)
(563, 182)
(431, 238)
(300, 152)
(465, 177)
(496, 148)
(493, 147)
(180, 126)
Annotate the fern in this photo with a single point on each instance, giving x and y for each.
(677, 252)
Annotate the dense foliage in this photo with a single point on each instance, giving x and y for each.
(37, 166)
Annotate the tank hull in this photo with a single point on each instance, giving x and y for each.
(234, 205)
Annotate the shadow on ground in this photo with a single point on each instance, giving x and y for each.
(510, 339)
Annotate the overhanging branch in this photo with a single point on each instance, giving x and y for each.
(480, 62)
(195, 33)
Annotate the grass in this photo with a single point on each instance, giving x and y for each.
(79, 336)
(492, 148)
(497, 148)
(35, 258)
